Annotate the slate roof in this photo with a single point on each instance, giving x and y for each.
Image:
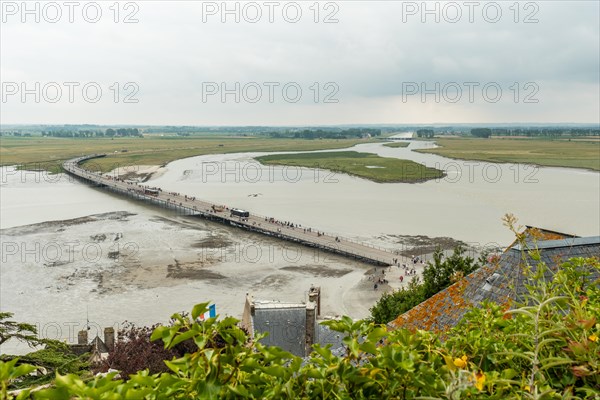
(98, 345)
(286, 325)
(502, 281)
(546, 234)
(325, 336)
(80, 349)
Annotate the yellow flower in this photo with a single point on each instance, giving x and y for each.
(527, 388)
(461, 362)
(584, 301)
(479, 380)
(593, 338)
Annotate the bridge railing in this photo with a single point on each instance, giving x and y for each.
(74, 167)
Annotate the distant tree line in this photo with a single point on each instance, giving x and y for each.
(327, 134)
(14, 133)
(481, 132)
(174, 129)
(545, 132)
(425, 133)
(535, 132)
(200, 130)
(121, 132)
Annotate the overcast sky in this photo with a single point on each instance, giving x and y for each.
(480, 62)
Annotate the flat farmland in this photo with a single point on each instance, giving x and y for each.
(551, 153)
(47, 153)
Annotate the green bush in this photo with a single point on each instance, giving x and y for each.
(546, 348)
(437, 275)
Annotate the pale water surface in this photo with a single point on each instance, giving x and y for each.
(467, 204)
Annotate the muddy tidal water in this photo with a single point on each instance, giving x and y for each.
(467, 204)
(72, 253)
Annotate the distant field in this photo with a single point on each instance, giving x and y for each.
(364, 165)
(553, 153)
(397, 144)
(50, 152)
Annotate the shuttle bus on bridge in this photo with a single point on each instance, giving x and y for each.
(236, 212)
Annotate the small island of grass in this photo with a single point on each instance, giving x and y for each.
(396, 144)
(364, 165)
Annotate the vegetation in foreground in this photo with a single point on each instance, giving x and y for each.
(364, 165)
(49, 153)
(54, 358)
(545, 348)
(553, 153)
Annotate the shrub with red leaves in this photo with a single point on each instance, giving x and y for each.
(134, 352)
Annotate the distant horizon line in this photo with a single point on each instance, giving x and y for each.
(437, 124)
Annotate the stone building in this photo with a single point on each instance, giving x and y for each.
(97, 348)
(294, 327)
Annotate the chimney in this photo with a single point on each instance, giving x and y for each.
(248, 315)
(82, 337)
(311, 320)
(314, 296)
(109, 338)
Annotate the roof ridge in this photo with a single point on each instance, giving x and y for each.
(552, 244)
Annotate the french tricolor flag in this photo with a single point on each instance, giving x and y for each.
(211, 313)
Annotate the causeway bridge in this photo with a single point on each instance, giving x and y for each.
(187, 205)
